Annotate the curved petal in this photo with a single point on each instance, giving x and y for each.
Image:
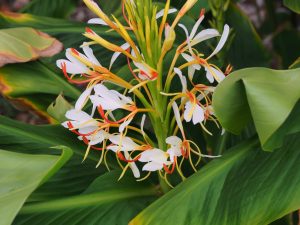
(204, 35)
(161, 12)
(83, 98)
(196, 26)
(173, 140)
(117, 54)
(198, 115)
(97, 21)
(222, 41)
(90, 55)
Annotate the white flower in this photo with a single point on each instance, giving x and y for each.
(212, 74)
(117, 54)
(155, 159)
(194, 112)
(97, 137)
(175, 149)
(110, 99)
(126, 145)
(122, 143)
(73, 65)
(80, 120)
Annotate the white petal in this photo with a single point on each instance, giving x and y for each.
(187, 36)
(124, 125)
(71, 67)
(188, 111)
(152, 166)
(182, 79)
(143, 123)
(204, 35)
(191, 72)
(209, 75)
(198, 115)
(77, 115)
(83, 98)
(187, 57)
(196, 26)
(222, 41)
(135, 170)
(148, 155)
(90, 55)
(161, 12)
(173, 140)
(117, 54)
(97, 21)
(177, 116)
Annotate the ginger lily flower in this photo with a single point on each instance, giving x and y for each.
(80, 120)
(110, 99)
(155, 159)
(145, 71)
(176, 147)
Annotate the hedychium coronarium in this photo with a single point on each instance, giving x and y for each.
(113, 115)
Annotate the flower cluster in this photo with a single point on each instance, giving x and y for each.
(111, 114)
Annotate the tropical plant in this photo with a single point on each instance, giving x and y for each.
(157, 119)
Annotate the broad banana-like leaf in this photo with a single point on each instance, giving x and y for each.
(74, 177)
(245, 186)
(21, 174)
(26, 44)
(50, 8)
(34, 86)
(263, 95)
(106, 201)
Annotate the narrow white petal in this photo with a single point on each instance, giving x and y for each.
(191, 72)
(80, 103)
(124, 125)
(204, 35)
(196, 26)
(187, 57)
(90, 55)
(177, 116)
(117, 54)
(143, 123)
(198, 115)
(133, 167)
(188, 111)
(222, 41)
(209, 75)
(182, 79)
(161, 12)
(97, 21)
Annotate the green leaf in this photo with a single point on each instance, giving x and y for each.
(50, 8)
(58, 109)
(263, 95)
(292, 5)
(295, 64)
(34, 85)
(245, 186)
(26, 44)
(246, 48)
(20, 175)
(107, 201)
(74, 177)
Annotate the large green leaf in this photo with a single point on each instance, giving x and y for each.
(50, 8)
(263, 95)
(245, 186)
(26, 44)
(107, 201)
(34, 85)
(74, 177)
(293, 5)
(21, 174)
